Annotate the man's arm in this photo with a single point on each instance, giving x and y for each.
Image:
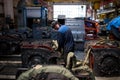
(60, 41)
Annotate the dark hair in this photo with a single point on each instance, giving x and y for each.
(54, 23)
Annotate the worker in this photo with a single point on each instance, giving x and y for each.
(114, 27)
(64, 38)
(48, 72)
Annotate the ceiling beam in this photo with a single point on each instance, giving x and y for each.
(93, 0)
(64, 0)
(72, 0)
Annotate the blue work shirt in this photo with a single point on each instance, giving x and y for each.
(65, 39)
(63, 29)
(115, 22)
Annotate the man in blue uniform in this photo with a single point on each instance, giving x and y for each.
(114, 27)
(65, 38)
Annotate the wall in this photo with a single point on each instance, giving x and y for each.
(1, 7)
(8, 8)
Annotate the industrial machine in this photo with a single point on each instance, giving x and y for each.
(105, 61)
(14, 54)
(42, 53)
(38, 52)
(102, 52)
(104, 58)
(91, 29)
(31, 13)
(9, 55)
(39, 49)
(10, 44)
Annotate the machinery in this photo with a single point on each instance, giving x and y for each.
(39, 49)
(42, 53)
(102, 53)
(24, 32)
(23, 47)
(91, 29)
(104, 58)
(9, 55)
(9, 44)
(38, 52)
(105, 61)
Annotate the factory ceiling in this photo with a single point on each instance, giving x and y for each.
(71, 0)
(63, 0)
(45, 2)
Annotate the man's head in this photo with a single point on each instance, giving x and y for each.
(55, 25)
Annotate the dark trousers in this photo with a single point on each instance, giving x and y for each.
(115, 32)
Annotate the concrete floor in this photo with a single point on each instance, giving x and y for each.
(80, 55)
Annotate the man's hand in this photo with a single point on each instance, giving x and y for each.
(54, 44)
